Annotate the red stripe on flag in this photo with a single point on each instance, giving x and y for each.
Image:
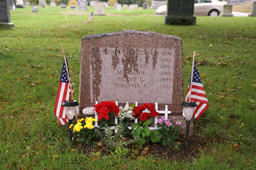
(198, 94)
(57, 99)
(202, 111)
(63, 99)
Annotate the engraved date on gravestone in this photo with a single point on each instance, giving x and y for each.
(144, 73)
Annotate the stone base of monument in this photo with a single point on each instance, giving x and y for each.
(252, 15)
(7, 25)
(180, 20)
(227, 15)
(99, 14)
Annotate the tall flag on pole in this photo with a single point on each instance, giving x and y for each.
(64, 93)
(197, 93)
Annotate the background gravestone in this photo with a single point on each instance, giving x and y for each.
(52, 3)
(132, 66)
(118, 7)
(83, 5)
(19, 3)
(42, 3)
(144, 5)
(99, 8)
(180, 12)
(157, 3)
(5, 13)
(253, 10)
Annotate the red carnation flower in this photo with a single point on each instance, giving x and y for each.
(104, 108)
(139, 111)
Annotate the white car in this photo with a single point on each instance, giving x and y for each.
(201, 8)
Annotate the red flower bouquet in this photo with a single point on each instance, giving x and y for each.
(145, 111)
(104, 108)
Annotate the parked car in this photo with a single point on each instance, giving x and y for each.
(201, 8)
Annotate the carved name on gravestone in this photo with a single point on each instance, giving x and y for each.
(132, 66)
(82, 5)
(5, 13)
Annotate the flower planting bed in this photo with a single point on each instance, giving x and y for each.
(130, 129)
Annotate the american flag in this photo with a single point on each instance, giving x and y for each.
(198, 94)
(64, 92)
(90, 18)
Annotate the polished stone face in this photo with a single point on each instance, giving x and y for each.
(4, 11)
(132, 66)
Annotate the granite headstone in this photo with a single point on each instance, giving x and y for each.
(34, 9)
(83, 5)
(118, 7)
(52, 3)
(227, 10)
(253, 10)
(5, 13)
(19, 3)
(144, 5)
(132, 66)
(42, 3)
(99, 8)
(158, 3)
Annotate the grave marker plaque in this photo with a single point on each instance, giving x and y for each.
(132, 66)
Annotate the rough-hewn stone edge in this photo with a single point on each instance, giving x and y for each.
(129, 32)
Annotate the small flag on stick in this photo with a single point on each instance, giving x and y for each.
(65, 92)
(90, 18)
(196, 92)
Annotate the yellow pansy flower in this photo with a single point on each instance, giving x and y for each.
(71, 126)
(80, 120)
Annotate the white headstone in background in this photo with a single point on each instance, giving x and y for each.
(133, 6)
(92, 3)
(12, 6)
(253, 11)
(158, 3)
(19, 3)
(42, 3)
(99, 8)
(52, 3)
(118, 7)
(227, 11)
(34, 9)
(125, 5)
(83, 5)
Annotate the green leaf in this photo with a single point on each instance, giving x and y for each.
(155, 136)
(146, 132)
(147, 123)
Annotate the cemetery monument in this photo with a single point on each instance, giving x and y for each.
(180, 12)
(253, 10)
(5, 14)
(83, 5)
(42, 3)
(157, 3)
(52, 3)
(19, 3)
(99, 8)
(132, 66)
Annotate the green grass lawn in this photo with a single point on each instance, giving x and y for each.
(30, 65)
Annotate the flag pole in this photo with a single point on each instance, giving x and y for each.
(69, 79)
(191, 78)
